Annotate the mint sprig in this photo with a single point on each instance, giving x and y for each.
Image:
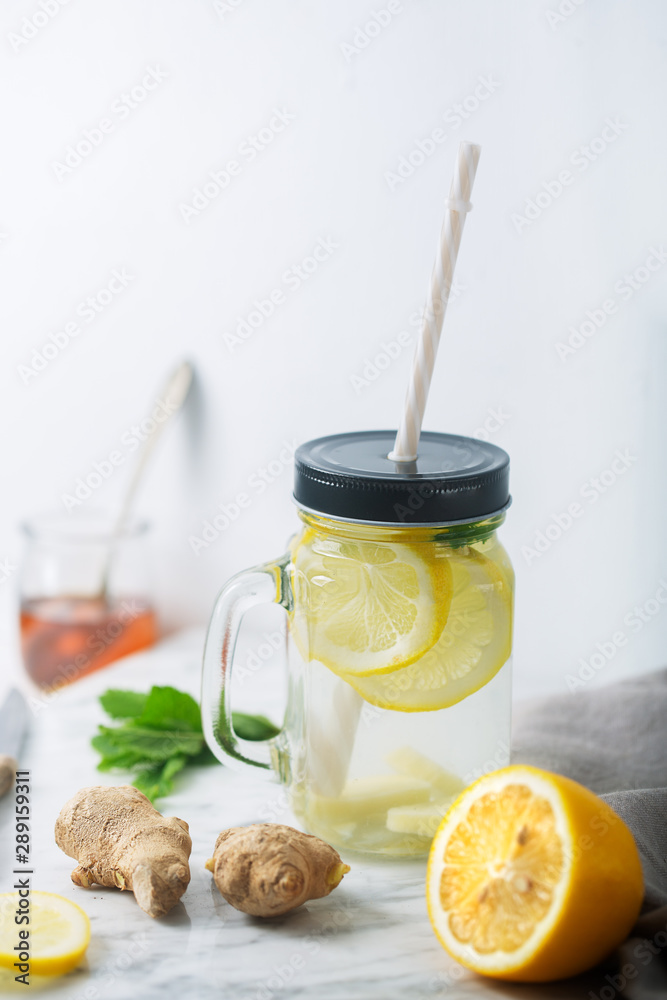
(159, 734)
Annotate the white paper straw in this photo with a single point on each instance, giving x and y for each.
(458, 205)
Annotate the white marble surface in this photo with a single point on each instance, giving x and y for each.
(370, 939)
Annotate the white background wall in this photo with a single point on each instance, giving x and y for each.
(356, 113)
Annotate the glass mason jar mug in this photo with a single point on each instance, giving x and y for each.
(399, 600)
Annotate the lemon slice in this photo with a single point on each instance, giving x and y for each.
(532, 877)
(422, 819)
(410, 762)
(473, 646)
(362, 797)
(59, 932)
(366, 608)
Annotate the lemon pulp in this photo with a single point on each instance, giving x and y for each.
(532, 877)
(364, 608)
(474, 644)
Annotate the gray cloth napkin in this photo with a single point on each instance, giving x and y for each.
(614, 740)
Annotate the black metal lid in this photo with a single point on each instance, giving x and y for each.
(454, 479)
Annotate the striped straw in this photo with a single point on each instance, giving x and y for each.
(458, 205)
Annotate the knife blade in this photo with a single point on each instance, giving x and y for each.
(13, 724)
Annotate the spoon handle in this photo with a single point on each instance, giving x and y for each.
(172, 396)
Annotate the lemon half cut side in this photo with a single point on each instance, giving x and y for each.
(532, 877)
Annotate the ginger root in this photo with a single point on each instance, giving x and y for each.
(120, 840)
(267, 869)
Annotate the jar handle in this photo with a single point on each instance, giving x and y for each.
(264, 584)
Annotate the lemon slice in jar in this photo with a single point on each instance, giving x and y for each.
(470, 651)
(365, 608)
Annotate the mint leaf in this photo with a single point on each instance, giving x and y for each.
(105, 743)
(156, 782)
(167, 708)
(121, 761)
(151, 745)
(123, 704)
(204, 758)
(161, 732)
(115, 753)
(253, 727)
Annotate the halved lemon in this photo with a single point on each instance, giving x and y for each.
(532, 877)
(473, 646)
(58, 932)
(366, 608)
